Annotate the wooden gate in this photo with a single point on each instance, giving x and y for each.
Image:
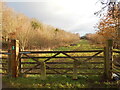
(62, 62)
(87, 62)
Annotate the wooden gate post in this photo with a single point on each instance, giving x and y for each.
(13, 58)
(75, 70)
(43, 70)
(19, 63)
(9, 58)
(108, 59)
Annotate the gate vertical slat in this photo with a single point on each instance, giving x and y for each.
(75, 70)
(43, 70)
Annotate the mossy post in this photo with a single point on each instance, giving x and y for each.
(43, 70)
(75, 77)
(108, 59)
(13, 58)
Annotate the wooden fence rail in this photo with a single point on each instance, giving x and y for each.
(3, 62)
(116, 64)
(116, 51)
(34, 52)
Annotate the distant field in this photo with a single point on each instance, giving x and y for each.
(82, 45)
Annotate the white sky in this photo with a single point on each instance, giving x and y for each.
(71, 15)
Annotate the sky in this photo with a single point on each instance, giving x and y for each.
(76, 16)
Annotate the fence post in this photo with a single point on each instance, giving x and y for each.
(75, 70)
(19, 63)
(105, 63)
(9, 58)
(43, 70)
(13, 58)
(108, 59)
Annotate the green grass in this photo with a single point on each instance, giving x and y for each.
(58, 81)
(82, 45)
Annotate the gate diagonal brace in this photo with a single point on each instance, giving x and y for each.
(83, 61)
(67, 71)
(92, 56)
(32, 68)
(53, 70)
(52, 57)
(49, 59)
(73, 59)
(69, 56)
(32, 58)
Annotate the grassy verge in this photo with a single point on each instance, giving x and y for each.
(58, 81)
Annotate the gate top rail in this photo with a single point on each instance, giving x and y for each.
(30, 52)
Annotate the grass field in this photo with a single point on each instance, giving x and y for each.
(65, 81)
(82, 45)
(58, 81)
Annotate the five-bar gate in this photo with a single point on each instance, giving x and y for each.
(86, 62)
